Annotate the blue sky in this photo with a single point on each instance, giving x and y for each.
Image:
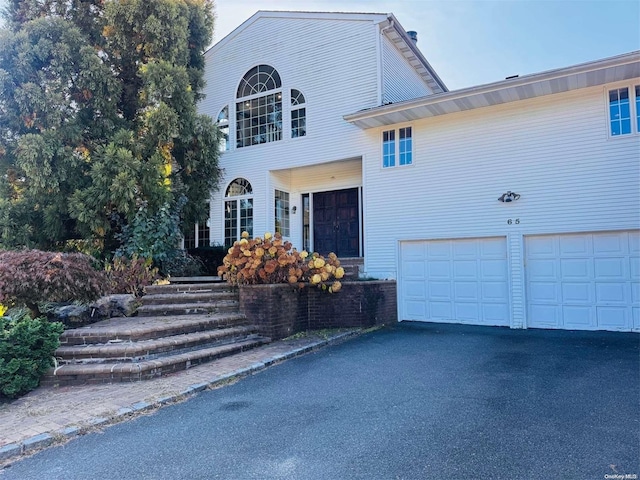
(473, 42)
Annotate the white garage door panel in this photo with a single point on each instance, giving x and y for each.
(461, 281)
(583, 281)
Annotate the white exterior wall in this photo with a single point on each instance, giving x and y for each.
(334, 63)
(554, 151)
(400, 81)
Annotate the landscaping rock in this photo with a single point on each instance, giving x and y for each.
(110, 306)
(122, 305)
(72, 315)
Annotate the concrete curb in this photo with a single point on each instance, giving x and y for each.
(43, 440)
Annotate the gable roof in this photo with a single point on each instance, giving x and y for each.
(412, 53)
(599, 72)
(387, 21)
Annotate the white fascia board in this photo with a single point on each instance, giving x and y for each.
(382, 115)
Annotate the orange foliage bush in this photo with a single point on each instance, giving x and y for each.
(272, 260)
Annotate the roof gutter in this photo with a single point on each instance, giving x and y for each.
(628, 58)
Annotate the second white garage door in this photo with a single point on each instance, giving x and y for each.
(587, 281)
(457, 281)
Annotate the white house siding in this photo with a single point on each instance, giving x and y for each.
(334, 63)
(554, 151)
(400, 81)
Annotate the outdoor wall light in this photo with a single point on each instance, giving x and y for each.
(509, 197)
(293, 210)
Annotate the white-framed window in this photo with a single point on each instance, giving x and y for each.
(238, 210)
(282, 218)
(624, 110)
(259, 107)
(260, 110)
(397, 147)
(223, 125)
(197, 235)
(298, 114)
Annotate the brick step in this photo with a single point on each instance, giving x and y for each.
(145, 370)
(129, 329)
(127, 351)
(188, 287)
(201, 279)
(352, 267)
(222, 306)
(187, 297)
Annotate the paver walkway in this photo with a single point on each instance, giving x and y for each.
(49, 414)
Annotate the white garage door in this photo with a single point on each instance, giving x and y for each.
(457, 281)
(583, 281)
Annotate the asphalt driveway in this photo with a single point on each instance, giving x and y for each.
(410, 402)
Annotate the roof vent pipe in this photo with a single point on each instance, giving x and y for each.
(413, 35)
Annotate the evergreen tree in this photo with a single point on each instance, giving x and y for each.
(98, 121)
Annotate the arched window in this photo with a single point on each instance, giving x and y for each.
(259, 107)
(223, 125)
(238, 210)
(298, 114)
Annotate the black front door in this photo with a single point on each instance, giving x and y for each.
(336, 224)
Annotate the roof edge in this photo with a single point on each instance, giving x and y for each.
(416, 51)
(608, 62)
(359, 16)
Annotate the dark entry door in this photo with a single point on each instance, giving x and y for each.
(336, 226)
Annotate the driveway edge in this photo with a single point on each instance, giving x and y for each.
(43, 440)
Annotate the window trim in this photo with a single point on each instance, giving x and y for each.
(282, 213)
(634, 108)
(298, 107)
(223, 123)
(247, 194)
(398, 153)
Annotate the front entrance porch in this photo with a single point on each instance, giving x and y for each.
(320, 207)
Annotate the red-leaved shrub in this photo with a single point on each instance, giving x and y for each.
(28, 277)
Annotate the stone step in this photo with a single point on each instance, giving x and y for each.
(188, 288)
(131, 329)
(222, 306)
(136, 351)
(80, 374)
(187, 297)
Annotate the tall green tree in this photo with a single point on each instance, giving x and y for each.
(98, 120)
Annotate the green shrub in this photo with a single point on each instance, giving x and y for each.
(31, 277)
(130, 275)
(26, 352)
(152, 235)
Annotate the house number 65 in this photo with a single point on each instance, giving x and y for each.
(512, 222)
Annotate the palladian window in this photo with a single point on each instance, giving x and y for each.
(259, 107)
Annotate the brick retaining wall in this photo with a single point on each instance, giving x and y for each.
(281, 310)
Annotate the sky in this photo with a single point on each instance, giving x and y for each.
(474, 42)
